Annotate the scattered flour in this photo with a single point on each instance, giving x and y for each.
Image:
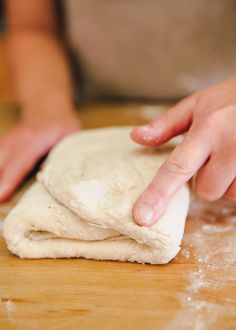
(211, 245)
(10, 308)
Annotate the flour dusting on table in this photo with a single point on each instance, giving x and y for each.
(10, 308)
(211, 244)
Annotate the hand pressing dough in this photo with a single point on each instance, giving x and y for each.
(81, 204)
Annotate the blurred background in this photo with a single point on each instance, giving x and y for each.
(6, 89)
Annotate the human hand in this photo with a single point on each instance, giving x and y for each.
(26, 143)
(209, 150)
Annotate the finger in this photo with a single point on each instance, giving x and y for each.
(182, 164)
(215, 177)
(3, 157)
(173, 122)
(14, 171)
(231, 192)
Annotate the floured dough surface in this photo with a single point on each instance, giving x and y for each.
(81, 205)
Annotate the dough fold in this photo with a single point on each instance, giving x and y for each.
(81, 204)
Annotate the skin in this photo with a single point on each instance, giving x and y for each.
(44, 91)
(43, 88)
(208, 151)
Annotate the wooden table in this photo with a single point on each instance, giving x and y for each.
(197, 290)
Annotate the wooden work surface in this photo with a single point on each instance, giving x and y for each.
(197, 290)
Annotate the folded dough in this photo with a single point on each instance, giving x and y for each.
(81, 204)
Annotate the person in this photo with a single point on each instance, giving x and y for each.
(154, 49)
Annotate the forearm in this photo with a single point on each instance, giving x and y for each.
(40, 71)
(43, 88)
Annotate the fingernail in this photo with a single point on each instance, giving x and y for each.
(145, 214)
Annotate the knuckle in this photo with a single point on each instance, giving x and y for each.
(215, 118)
(174, 167)
(201, 99)
(153, 192)
(156, 191)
